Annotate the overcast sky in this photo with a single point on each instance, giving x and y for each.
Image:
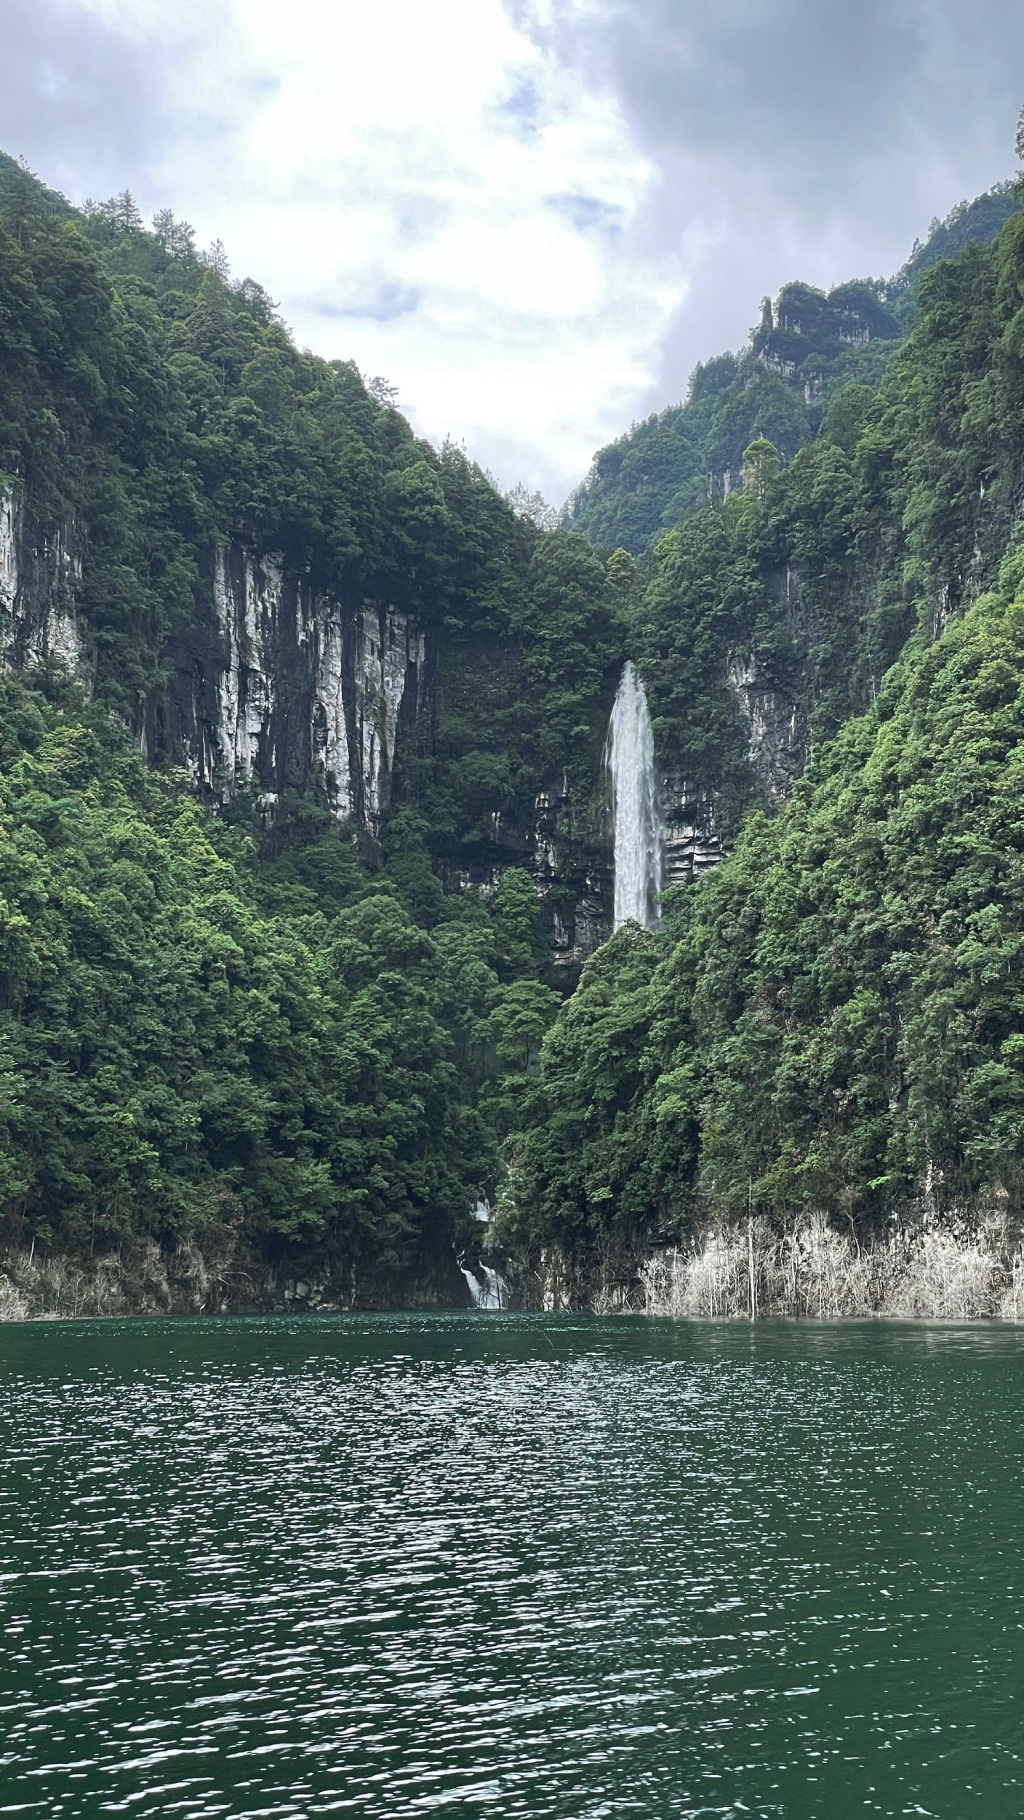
(532, 216)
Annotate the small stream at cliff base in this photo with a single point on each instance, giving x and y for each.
(513, 1566)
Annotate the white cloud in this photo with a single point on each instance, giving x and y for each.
(533, 216)
(429, 191)
(794, 138)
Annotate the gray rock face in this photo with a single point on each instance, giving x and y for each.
(277, 685)
(772, 720)
(691, 842)
(281, 687)
(39, 579)
(272, 685)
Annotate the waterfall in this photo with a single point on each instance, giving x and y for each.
(629, 756)
(486, 1287)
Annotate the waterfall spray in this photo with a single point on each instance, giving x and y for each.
(629, 756)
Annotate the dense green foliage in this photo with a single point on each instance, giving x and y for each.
(195, 1034)
(781, 388)
(209, 1023)
(816, 574)
(521, 700)
(978, 221)
(832, 1019)
(834, 1016)
(160, 407)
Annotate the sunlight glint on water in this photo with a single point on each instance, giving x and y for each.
(539, 1569)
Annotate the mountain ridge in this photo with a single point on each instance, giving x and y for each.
(807, 345)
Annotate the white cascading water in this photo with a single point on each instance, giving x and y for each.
(629, 756)
(486, 1287)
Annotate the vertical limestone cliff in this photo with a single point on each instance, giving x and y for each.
(272, 685)
(281, 687)
(40, 574)
(774, 737)
(691, 841)
(772, 722)
(275, 686)
(278, 687)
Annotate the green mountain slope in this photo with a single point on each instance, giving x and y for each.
(805, 348)
(303, 830)
(832, 1020)
(274, 1026)
(267, 1055)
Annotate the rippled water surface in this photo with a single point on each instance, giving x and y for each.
(507, 1566)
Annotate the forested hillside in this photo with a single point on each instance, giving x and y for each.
(213, 1040)
(305, 830)
(806, 347)
(150, 409)
(832, 1019)
(266, 1030)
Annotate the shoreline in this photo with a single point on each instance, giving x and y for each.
(931, 1270)
(927, 1270)
(924, 1267)
(148, 1281)
(878, 1318)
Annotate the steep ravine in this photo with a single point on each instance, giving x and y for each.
(283, 984)
(276, 688)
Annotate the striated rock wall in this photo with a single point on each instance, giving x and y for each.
(772, 720)
(273, 684)
(225, 1275)
(40, 574)
(282, 687)
(279, 686)
(691, 843)
(956, 1270)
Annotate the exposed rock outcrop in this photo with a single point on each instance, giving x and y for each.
(958, 1268)
(772, 719)
(691, 842)
(40, 575)
(278, 685)
(223, 1275)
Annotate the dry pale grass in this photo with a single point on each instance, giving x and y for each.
(953, 1273)
(949, 1280)
(142, 1280)
(13, 1306)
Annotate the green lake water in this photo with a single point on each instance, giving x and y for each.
(511, 1567)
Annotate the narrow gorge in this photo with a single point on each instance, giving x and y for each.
(370, 853)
